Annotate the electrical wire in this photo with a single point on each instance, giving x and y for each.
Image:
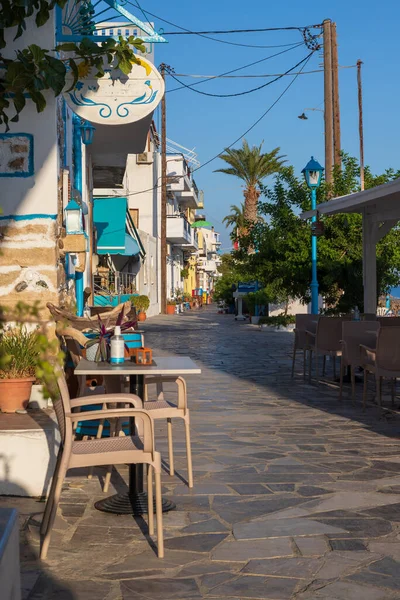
(185, 31)
(252, 64)
(305, 62)
(256, 89)
(261, 76)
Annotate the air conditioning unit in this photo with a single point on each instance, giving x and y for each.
(145, 158)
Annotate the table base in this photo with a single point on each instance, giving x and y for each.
(127, 504)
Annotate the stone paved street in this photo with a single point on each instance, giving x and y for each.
(296, 496)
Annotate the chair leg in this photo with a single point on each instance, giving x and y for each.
(150, 509)
(49, 503)
(365, 389)
(293, 359)
(379, 390)
(316, 368)
(107, 479)
(353, 384)
(160, 533)
(309, 365)
(323, 365)
(342, 366)
(57, 493)
(170, 448)
(304, 363)
(189, 452)
(334, 367)
(393, 390)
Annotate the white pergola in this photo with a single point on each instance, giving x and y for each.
(380, 210)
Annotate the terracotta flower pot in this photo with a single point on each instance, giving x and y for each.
(15, 394)
(142, 316)
(170, 309)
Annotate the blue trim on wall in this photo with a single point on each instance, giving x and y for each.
(30, 171)
(26, 217)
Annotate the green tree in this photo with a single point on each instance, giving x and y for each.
(235, 220)
(252, 167)
(283, 242)
(35, 70)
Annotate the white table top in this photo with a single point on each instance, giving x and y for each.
(162, 365)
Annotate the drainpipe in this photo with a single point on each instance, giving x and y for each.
(77, 149)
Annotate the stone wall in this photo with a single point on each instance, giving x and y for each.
(28, 261)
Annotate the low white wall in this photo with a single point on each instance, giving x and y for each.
(10, 580)
(27, 459)
(295, 308)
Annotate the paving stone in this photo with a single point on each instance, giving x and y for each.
(195, 543)
(347, 545)
(248, 549)
(310, 490)
(160, 589)
(248, 586)
(311, 546)
(48, 588)
(282, 487)
(363, 527)
(211, 526)
(340, 590)
(251, 489)
(281, 528)
(303, 568)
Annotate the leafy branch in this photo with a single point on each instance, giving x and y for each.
(35, 70)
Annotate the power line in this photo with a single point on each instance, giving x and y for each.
(185, 31)
(252, 64)
(305, 62)
(261, 76)
(227, 31)
(256, 89)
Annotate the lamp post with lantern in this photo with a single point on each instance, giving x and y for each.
(313, 175)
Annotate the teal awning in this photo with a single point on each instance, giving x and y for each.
(116, 232)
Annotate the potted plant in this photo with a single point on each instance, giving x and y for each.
(141, 303)
(184, 273)
(98, 346)
(19, 355)
(171, 305)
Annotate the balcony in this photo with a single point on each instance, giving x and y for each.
(193, 245)
(179, 178)
(189, 199)
(179, 231)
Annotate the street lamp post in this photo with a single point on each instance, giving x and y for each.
(313, 175)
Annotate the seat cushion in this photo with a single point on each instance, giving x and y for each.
(113, 444)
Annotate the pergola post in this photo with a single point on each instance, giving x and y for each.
(369, 263)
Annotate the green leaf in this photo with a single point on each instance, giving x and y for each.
(19, 102)
(39, 100)
(75, 73)
(125, 66)
(37, 52)
(67, 47)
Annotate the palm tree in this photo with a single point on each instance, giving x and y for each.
(251, 166)
(235, 220)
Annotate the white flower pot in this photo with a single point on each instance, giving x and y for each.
(36, 399)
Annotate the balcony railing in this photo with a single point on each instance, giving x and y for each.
(179, 231)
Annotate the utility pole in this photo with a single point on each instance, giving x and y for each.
(360, 123)
(163, 197)
(336, 105)
(328, 109)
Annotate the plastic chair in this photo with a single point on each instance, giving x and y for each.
(162, 409)
(89, 453)
(326, 340)
(355, 333)
(304, 322)
(383, 361)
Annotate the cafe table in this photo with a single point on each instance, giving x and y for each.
(134, 501)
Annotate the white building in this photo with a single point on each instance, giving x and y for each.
(209, 258)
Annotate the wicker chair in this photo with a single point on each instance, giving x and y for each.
(355, 333)
(115, 450)
(304, 322)
(326, 340)
(383, 361)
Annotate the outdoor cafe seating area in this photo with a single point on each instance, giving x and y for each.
(369, 346)
(119, 428)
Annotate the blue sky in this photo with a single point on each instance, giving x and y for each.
(367, 30)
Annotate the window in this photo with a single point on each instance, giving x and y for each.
(127, 32)
(95, 32)
(103, 32)
(119, 32)
(135, 33)
(111, 31)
